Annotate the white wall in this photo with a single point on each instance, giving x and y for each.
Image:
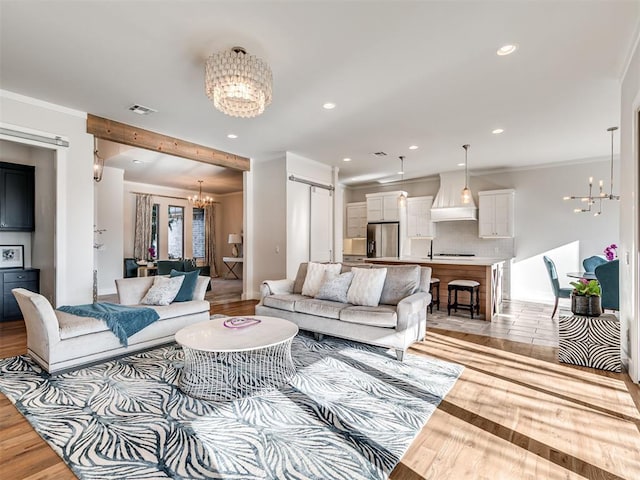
(629, 228)
(74, 190)
(544, 223)
(109, 202)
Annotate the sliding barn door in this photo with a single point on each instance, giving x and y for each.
(321, 226)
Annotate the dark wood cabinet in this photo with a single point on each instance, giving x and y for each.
(28, 278)
(17, 197)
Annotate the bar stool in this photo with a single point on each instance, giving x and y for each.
(470, 286)
(434, 290)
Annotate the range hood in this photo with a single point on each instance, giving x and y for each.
(448, 205)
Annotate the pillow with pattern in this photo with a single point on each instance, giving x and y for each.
(366, 286)
(163, 290)
(335, 288)
(315, 276)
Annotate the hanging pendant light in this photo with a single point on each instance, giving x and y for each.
(591, 199)
(402, 198)
(98, 162)
(466, 192)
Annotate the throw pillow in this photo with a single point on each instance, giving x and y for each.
(163, 291)
(185, 293)
(315, 275)
(335, 288)
(400, 282)
(366, 286)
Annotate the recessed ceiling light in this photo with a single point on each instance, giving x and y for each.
(413, 147)
(497, 131)
(329, 106)
(506, 50)
(400, 172)
(347, 159)
(136, 161)
(461, 164)
(232, 135)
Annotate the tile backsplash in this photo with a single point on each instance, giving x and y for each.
(462, 237)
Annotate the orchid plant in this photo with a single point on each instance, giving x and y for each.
(588, 288)
(610, 252)
(152, 252)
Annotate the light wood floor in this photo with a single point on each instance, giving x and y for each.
(514, 413)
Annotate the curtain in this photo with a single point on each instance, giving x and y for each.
(142, 234)
(210, 239)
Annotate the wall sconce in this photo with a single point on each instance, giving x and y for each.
(98, 162)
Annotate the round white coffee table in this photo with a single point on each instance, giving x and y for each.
(224, 362)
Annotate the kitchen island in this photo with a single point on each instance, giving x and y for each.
(486, 271)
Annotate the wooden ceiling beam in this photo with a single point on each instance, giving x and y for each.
(138, 137)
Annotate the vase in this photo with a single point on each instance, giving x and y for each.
(587, 305)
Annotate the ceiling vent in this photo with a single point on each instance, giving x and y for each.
(380, 154)
(141, 109)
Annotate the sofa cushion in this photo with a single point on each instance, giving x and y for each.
(185, 293)
(400, 282)
(74, 326)
(284, 301)
(315, 276)
(163, 291)
(335, 288)
(180, 309)
(366, 286)
(320, 308)
(380, 316)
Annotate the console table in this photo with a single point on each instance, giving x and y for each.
(230, 263)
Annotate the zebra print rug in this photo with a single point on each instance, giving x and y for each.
(350, 413)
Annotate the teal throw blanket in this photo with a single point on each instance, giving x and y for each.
(123, 321)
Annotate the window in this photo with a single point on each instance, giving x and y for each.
(198, 232)
(155, 240)
(176, 232)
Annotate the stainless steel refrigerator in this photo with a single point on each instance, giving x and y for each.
(383, 240)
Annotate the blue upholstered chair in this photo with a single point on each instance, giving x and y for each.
(555, 284)
(608, 275)
(130, 268)
(591, 263)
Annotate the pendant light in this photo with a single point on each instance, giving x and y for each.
(466, 192)
(591, 199)
(402, 198)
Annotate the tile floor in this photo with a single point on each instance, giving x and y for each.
(518, 321)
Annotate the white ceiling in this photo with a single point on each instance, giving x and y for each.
(401, 73)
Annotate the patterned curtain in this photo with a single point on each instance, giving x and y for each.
(142, 234)
(210, 239)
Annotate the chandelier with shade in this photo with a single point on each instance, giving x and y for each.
(238, 84)
(198, 201)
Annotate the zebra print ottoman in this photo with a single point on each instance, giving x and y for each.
(590, 342)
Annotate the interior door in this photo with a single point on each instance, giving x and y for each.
(321, 227)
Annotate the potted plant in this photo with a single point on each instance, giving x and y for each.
(585, 298)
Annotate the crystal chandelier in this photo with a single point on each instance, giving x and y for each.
(238, 84)
(198, 201)
(591, 199)
(466, 192)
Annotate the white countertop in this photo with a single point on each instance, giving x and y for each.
(441, 260)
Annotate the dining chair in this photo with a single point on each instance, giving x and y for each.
(130, 268)
(591, 263)
(555, 284)
(608, 275)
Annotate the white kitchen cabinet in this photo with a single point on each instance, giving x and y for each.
(419, 224)
(383, 207)
(496, 214)
(356, 220)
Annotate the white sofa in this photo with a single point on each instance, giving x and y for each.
(58, 341)
(396, 324)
